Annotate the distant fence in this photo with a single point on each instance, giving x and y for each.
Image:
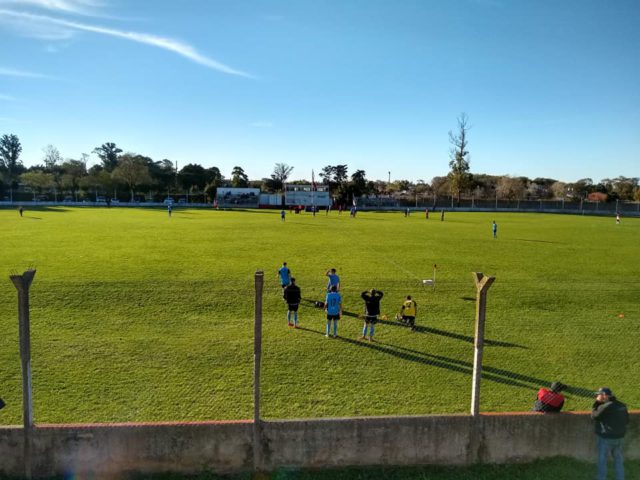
(385, 204)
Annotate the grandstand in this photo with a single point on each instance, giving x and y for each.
(307, 195)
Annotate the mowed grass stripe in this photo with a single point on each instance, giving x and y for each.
(137, 316)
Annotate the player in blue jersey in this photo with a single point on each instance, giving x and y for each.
(494, 228)
(334, 280)
(285, 275)
(333, 307)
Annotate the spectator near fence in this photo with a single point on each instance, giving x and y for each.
(550, 400)
(611, 418)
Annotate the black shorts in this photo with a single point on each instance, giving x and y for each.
(370, 319)
(333, 317)
(408, 318)
(293, 307)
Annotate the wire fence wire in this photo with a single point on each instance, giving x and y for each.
(184, 351)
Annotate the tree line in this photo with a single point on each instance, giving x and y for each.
(131, 176)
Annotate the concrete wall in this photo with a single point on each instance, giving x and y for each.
(315, 443)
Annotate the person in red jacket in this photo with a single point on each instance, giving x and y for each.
(550, 400)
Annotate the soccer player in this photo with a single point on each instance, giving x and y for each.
(285, 275)
(371, 311)
(333, 307)
(282, 214)
(334, 280)
(292, 296)
(169, 208)
(409, 310)
(494, 227)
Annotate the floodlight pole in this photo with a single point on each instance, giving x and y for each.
(22, 284)
(482, 286)
(257, 354)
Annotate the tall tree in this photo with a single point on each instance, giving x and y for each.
(192, 177)
(108, 154)
(239, 178)
(132, 171)
(51, 157)
(10, 149)
(459, 157)
(281, 172)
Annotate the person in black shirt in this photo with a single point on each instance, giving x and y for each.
(292, 296)
(371, 311)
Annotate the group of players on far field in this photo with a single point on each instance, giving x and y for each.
(332, 304)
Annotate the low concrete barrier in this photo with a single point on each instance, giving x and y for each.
(222, 447)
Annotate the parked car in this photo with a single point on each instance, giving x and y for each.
(168, 201)
(101, 200)
(182, 200)
(68, 199)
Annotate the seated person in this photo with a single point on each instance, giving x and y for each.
(550, 400)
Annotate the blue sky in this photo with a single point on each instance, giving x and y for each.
(552, 89)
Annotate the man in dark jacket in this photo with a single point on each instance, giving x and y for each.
(292, 296)
(550, 400)
(371, 311)
(611, 418)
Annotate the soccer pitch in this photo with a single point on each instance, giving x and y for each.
(136, 316)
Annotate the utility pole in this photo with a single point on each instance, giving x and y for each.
(257, 356)
(22, 284)
(482, 286)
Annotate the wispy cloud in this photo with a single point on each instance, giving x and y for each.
(12, 72)
(172, 45)
(7, 98)
(79, 7)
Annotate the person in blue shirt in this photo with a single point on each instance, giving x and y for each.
(494, 227)
(333, 307)
(285, 275)
(282, 214)
(334, 280)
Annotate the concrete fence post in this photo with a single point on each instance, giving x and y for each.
(257, 356)
(482, 285)
(22, 284)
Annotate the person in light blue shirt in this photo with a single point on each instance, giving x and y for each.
(334, 280)
(333, 307)
(285, 275)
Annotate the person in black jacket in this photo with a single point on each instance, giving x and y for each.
(292, 296)
(550, 400)
(371, 311)
(611, 418)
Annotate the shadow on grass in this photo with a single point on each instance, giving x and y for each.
(536, 241)
(42, 208)
(431, 330)
(493, 374)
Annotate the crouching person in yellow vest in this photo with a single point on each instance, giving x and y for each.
(408, 312)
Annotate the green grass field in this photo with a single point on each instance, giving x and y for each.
(139, 317)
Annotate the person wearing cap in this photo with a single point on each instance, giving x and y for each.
(550, 400)
(611, 417)
(291, 294)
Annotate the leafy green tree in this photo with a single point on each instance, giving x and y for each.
(459, 157)
(239, 178)
(10, 149)
(108, 154)
(37, 180)
(72, 173)
(132, 171)
(192, 177)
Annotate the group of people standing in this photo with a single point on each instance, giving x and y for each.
(333, 304)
